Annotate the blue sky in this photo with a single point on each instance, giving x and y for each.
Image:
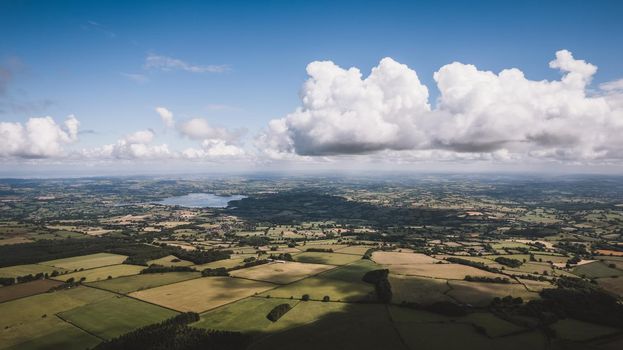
(78, 57)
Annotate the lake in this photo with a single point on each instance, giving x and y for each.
(200, 200)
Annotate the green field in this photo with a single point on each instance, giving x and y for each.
(318, 287)
(170, 260)
(596, 269)
(326, 258)
(87, 261)
(580, 331)
(31, 319)
(130, 284)
(22, 270)
(246, 315)
(112, 317)
(102, 273)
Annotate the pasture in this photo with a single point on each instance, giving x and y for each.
(129, 284)
(354, 249)
(22, 270)
(571, 329)
(596, 269)
(87, 261)
(281, 273)
(395, 258)
(246, 315)
(444, 271)
(31, 319)
(418, 289)
(481, 294)
(326, 258)
(202, 294)
(112, 317)
(102, 273)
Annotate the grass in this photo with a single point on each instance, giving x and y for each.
(395, 258)
(418, 289)
(579, 331)
(22, 270)
(596, 269)
(352, 272)
(326, 258)
(318, 287)
(227, 263)
(613, 285)
(317, 325)
(27, 289)
(444, 271)
(281, 273)
(354, 249)
(247, 315)
(23, 319)
(129, 284)
(112, 317)
(102, 273)
(51, 333)
(202, 294)
(87, 261)
(480, 294)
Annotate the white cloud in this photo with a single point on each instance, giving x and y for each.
(200, 129)
(38, 138)
(165, 63)
(502, 116)
(136, 145)
(213, 149)
(616, 85)
(166, 116)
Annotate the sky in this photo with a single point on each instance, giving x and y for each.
(110, 87)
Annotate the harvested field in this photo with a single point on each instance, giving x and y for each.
(354, 249)
(27, 289)
(227, 263)
(22, 270)
(281, 273)
(318, 287)
(202, 294)
(129, 284)
(170, 260)
(418, 289)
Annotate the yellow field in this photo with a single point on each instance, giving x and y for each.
(281, 273)
(395, 258)
(446, 271)
(22, 270)
(480, 294)
(87, 261)
(102, 273)
(202, 294)
(168, 261)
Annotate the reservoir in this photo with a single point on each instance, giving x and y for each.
(200, 200)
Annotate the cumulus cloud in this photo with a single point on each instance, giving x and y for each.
(213, 149)
(166, 63)
(166, 116)
(37, 138)
(200, 129)
(479, 112)
(136, 146)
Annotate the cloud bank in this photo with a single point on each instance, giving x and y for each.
(37, 138)
(477, 112)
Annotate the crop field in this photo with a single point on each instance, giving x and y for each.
(22, 290)
(170, 260)
(130, 284)
(31, 319)
(326, 258)
(115, 316)
(480, 294)
(613, 285)
(246, 315)
(418, 289)
(534, 268)
(352, 272)
(22, 270)
(445, 271)
(281, 273)
(102, 273)
(318, 287)
(202, 294)
(87, 261)
(535, 286)
(394, 258)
